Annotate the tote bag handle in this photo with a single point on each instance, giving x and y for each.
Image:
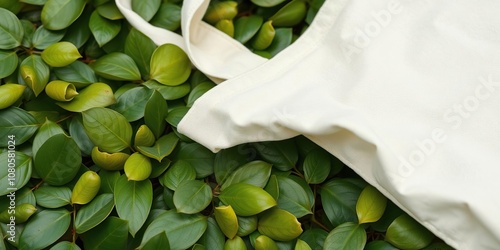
(214, 53)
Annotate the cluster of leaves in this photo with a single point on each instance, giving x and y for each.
(89, 111)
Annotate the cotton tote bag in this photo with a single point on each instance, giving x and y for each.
(406, 93)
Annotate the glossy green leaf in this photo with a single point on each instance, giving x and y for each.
(316, 166)
(228, 160)
(11, 30)
(406, 233)
(10, 93)
(339, 198)
(168, 16)
(86, 188)
(109, 11)
(282, 154)
(198, 156)
(117, 66)
(95, 95)
(213, 238)
(279, 224)
(348, 235)
(272, 187)
(43, 38)
(79, 32)
(221, 10)
(380, 245)
(60, 54)
(93, 213)
(293, 198)
(78, 73)
(256, 173)
(162, 147)
(35, 73)
(61, 90)
(13, 6)
(235, 243)
(159, 241)
(265, 243)
(267, 3)
(65, 245)
(301, 245)
(306, 187)
(155, 113)
(132, 103)
(144, 137)
(246, 27)
(107, 129)
(291, 14)
(16, 122)
(198, 91)
(44, 228)
(246, 225)
(29, 30)
(108, 180)
(175, 115)
(52, 197)
(192, 196)
(112, 233)
(146, 9)
(247, 199)
(58, 160)
(179, 172)
(170, 65)
(371, 205)
(169, 92)
(8, 60)
(18, 162)
(264, 37)
(104, 30)
(133, 201)
(137, 167)
(227, 220)
(59, 14)
(140, 48)
(314, 237)
(226, 26)
(182, 230)
(77, 132)
(159, 167)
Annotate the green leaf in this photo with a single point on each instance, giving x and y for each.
(169, 92)
(65, 245)
(339, 198)
(11, 30)
(58, 160)
(170, 65)
(133, 201)
(47, 130)
(22, 165)
(137, 167)
(78, 73)
(17, 122)
(246, 27)
(107, 129)
(371, 205)
(132, 103)
(43, 38)
(52, 197)
(159, 241)
(35, 73)
(279, 224)
(314, 237)
(227, 220)
(247, 199)
(77, 132)
(96, 95)
(60, 54)
(267, 3)
(155, 113)
(235, 243)
(94, 213)
(176, 114)
(146, 9)
(213, 238)
(179, 172)
(140, 48)
(246, 225)
(168, 16)
(198, 91)
(162, 148)
(316, 166)
(59, 14)
(79, 32)
(44, 228)
(108, 180)
(382, 245)
(227, 161)
(293, 198)
(117, 66)
(301, 245)
(198, 156)
(182, 230)
(192, 196)
(256, 173)
(13, 6)
(282, 39)
(306, 187)
(264, 242)
(112, 233)
(406, 233)
(437, 246)
(109, 11)
(104, 30)
(282, 154)
(291, 14)
(8, 60)
(272, 187)
(348, 235)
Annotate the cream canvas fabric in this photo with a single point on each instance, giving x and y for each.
(406, 93)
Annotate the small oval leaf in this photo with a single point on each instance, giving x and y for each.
(170, 65)
(406, 233)
(279, 224)
(60, 54)
(371, 205)
(192, 196)
(247, 199)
